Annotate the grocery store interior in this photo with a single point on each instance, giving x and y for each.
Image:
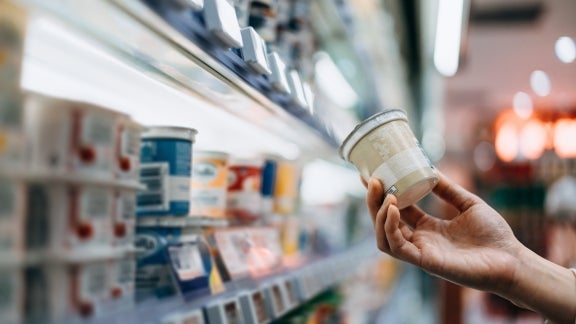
(182, 161)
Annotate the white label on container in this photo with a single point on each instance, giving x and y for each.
(130, 144)
(245, 200)
(207, 198)
(186, 261)
(95, 203)
(125, 272)
(127, 208)
(179, 188)
(97, 130)
(400, 165)
(92, 281)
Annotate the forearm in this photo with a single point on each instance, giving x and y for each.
(544, 287)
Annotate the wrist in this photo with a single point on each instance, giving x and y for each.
(542, 286)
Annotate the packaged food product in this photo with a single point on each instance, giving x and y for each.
(153, 274)
(66, 218)
(124, 221)
(165, 170)
(12, 31)
(12, 219)
(244, 201)
(122, 276)
(286, 187)
(383, 146)
(209, 184)
(69, 137)
(58, 291)
(268, 184)
(128, 149)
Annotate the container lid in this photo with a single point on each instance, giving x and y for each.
(173, 132)
(256, 162)
(214, 154)
(367, 126)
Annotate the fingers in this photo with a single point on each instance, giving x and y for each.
(400, 247)
(412, 215)
(374, 197)
(393, 237)
(454, 194)
(364, 182)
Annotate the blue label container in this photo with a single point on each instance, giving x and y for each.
(165, 170)
(268, 183)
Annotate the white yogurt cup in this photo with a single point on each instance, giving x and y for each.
(384, 147)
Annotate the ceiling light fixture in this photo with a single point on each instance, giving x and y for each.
(565, 49)
(540, 83)
(452, 15)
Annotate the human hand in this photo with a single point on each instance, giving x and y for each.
(476, 248)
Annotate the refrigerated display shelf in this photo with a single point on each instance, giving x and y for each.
(9, 260)
(46, 176)
(181, 221)
(291, 287)
(149, 43)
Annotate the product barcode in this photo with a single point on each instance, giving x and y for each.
(96, 203)
(7, 198)
(98, 130)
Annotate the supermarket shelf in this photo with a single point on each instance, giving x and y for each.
(283, 291)
(45, 176)
(149, 44)
(175, 221)
(8, 260)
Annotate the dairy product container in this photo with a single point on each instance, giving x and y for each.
(209, 184)
(383, 146)
(244, 202)
(70, 137)
(165, 170)
(127, 157)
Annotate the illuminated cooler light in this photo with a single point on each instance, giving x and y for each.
(565, 138)
(448, 36)
(507, 143)
(522, 105)
(533, 139)
(565, 49)
(540, 83)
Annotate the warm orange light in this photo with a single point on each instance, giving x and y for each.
(565, 138)
(533, 137)
(506, 142)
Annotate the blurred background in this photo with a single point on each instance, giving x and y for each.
(254, 217)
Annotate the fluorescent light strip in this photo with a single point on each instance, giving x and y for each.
(63, 64)
(448, 36)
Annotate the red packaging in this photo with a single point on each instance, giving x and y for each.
(244, 200)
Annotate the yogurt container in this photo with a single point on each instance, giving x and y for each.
(244, 202)
(165, 170)
(209, 183)
(128, 149)
(383, 146)
(70, 137)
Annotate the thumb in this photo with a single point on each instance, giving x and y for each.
(454, 194)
